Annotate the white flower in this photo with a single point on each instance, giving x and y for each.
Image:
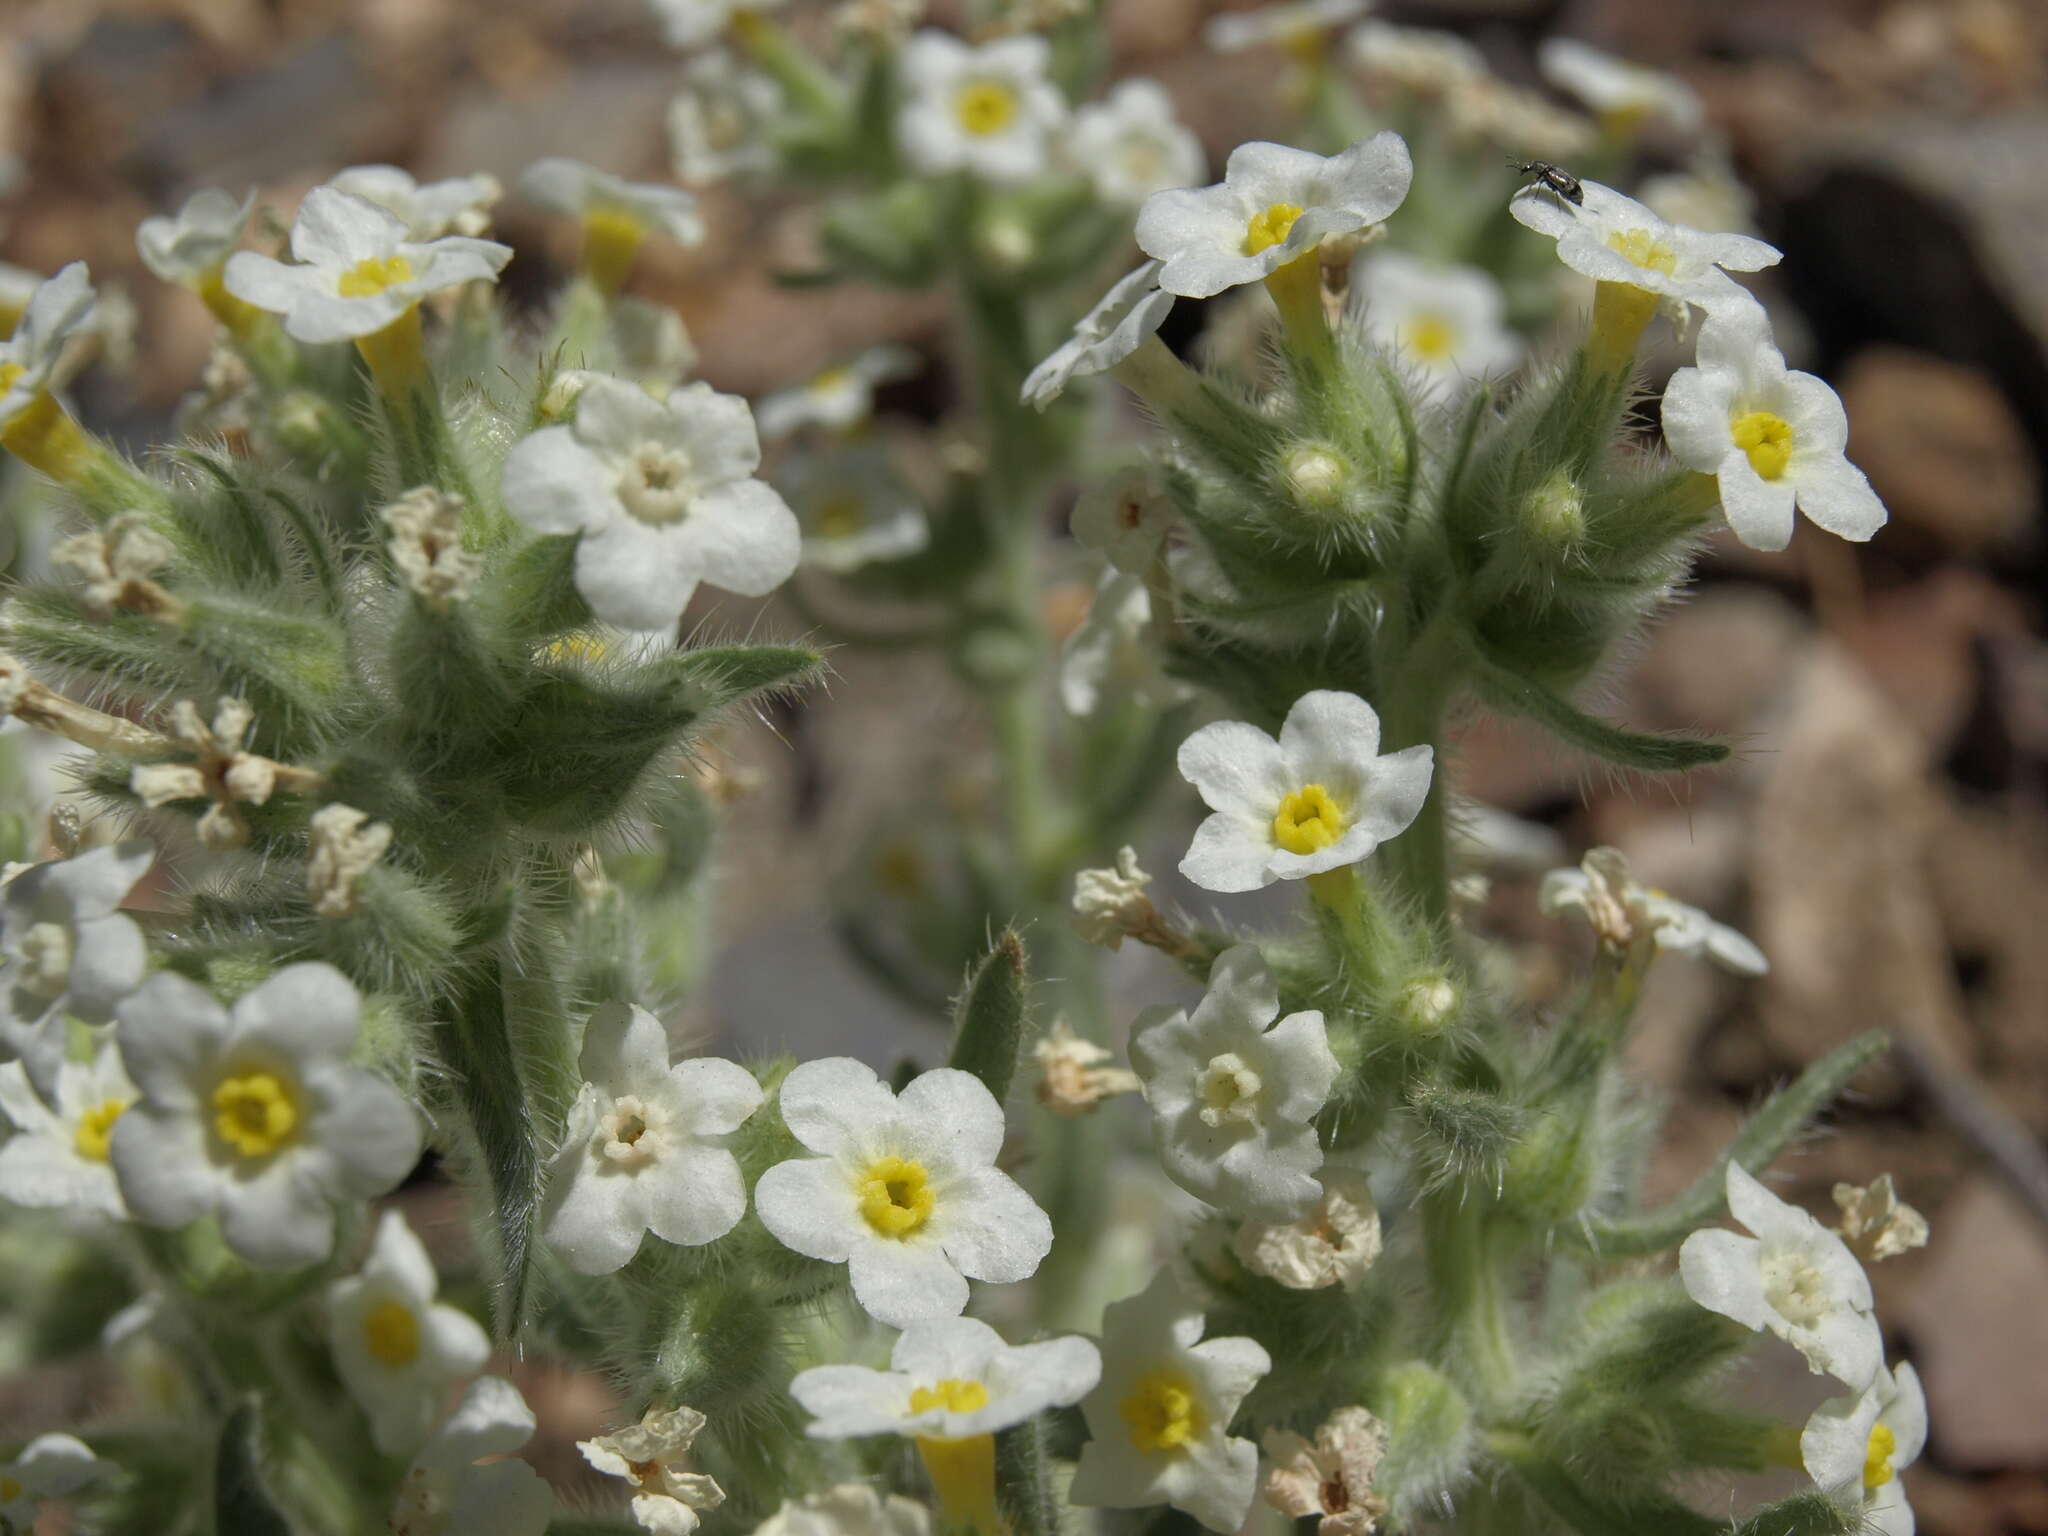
(397, 1349)
(1273, 205)
(1707, 195)
(1624, 95)
(1117, 652)
(1876, 1223)
(1161, 1417)
(906, 1193)
(1421, 60)
(651, 343)
(460, 205)
(1855, 1447)
(253, 1114)
(345, 845)
(1772, 437)
(664, 496)
(1332, 1476)
(1615, 239)
(848, 1509)
(1130, 144)
(1124, 519)
(59, 308)
(57, 1157)
(718, 124)
(948, 1379)
(1293, 25)
(693, 23)
(65, 948)
(1794, 1278)
(356, 269)
(1443, 321)
(1623, 915)
(451, 1491)
(853, 507)
(426, 545)
(840, 398)
(1334, 1242)
(114, 566)
(644, 1150)
(987, 110)
(1234, 1095)
(191, 246)
(1318, 798)
(602, 200)
(1132, 310)
(648, 1455)
(1072, 1078)
(49, 1467)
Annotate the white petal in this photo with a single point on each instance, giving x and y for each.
(1696, 417)
(635, 576)
(832, 1104)
(851, 1400)
(957, 1347)
(334, 229)
(553, 484)
(1235, 767)
(743, 537)
(694, 1195)
(902, 1282)
(168, 1027)
(1230, 852)
(280, 1219)
(952, 1114)
(305, 1010)
(372, 1132)
(1325, 729)
(161, 1164)
(1722, 1272)
(625, 1050)
(595, 1215)
(716, 1095)
(989, 1227)
(1395, 788)
(1760, 511)
(808, 1203)
(1836, 496)
(106, 966)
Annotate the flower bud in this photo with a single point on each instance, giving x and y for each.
(1317, 476)
(1429, 1004)
(1554, 514)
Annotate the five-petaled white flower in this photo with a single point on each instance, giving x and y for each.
(693, 23)
(49, 1467)
(1116, 652)
(451, 1491)
(192, 245)
(848, 1509)
(1233, 1095)
(839, 398)
(906, 1192)
(1445, 322)
(1331, 1476)
(645, 1150)
(58, 309)
(65, 948)
(987, 110)
(602, 200)
(1615, 239)
(57, 1156)
(1795, 1278)
(459, 205)
(1855, 1447)
(253, 1114)
(1161, 1417)
(664, 496)
(1130, 144)
(1627, 918)
(1273, 205)
(649, 1456)
(1132, 310)
(853, 507)
(719, 122)
(356, 269)
(1299, 26)
(1624, 95)
(1420, 60)
(1125, 520)
(1319, 798)
(1334, 1242)
(949, 1378)
(1772, 437)
(397, 1349)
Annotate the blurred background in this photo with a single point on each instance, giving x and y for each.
(1883, 828)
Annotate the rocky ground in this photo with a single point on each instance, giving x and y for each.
(1883, 832)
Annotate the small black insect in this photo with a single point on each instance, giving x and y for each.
(1556, 178)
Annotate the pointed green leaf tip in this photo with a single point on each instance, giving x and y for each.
(1514, 694)
(988, 1017)
(241, 1503)
(731, 672)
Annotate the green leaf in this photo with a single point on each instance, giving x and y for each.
(1514, 694)
(242, 1505)
(988, 1016)
(729, 673)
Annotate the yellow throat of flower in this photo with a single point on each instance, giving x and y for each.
(9, 372)
(391, 1333)
(372, 275)
(1269, 227)
(1767, 439)
(841, 516)
(1163, 1412)
(895, 1196)
(1309, 820)
(95, 1131)
(1430, 337)
(951, 1394)
(1644, 250)
(1877, 1456)
(256, 1113)
(611, 242)
(983, 107)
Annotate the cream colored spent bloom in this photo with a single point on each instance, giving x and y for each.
(113, 566)
(1111, 904)
(848, 1509)
(1333, 1243)
(1876, 1223)
(1330, 1477)
(345, 846)
(649, 1456)
(426, 545)
(1072, 1079)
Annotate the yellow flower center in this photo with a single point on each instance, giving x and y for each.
(392, 1334)
(1303, 44)
(1308, 821)
(895, 1196)
(1877, 1458)
(372, 275)
(1162, 1412)
(1767, 439)
(984, 107)
(578, 645)
(1430, 337)
(900, 870)
(1645, 250)
(9, 372)
(255, 1113)
(840, 516)
(95, 1132)
(10, 317)
(1229, 1090)
(10, 1490)
(1262, 231)
(951, 1394)
(1626, 120)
